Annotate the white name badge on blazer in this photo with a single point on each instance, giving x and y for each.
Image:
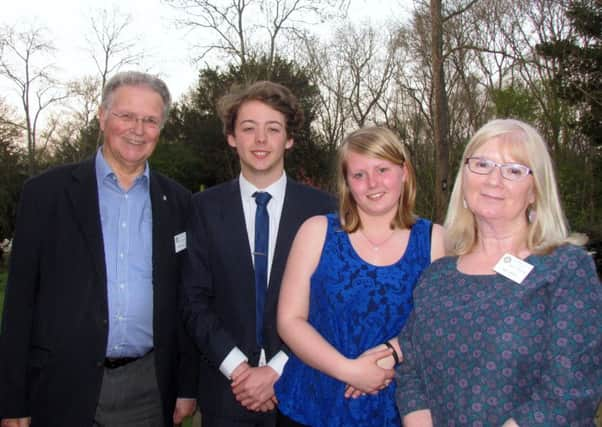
(180, 241)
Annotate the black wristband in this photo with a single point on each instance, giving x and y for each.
(394, 354)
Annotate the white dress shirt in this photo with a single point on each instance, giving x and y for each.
(277, 190)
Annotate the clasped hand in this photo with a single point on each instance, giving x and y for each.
(254, 387)
(15, 422)
(372, 372)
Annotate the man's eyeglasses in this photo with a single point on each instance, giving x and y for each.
(148, 122)
(510, 171)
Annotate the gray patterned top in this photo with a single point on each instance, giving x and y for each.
(480, 349)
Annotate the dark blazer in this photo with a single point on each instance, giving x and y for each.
(219, 283)
(54, 330)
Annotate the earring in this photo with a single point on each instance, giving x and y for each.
(531, 214)
(464, 203)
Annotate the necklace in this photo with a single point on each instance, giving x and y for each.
(376, 246)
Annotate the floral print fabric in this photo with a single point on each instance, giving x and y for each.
(480, 349)
(354, 306)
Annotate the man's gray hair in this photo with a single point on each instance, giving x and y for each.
(136, 78)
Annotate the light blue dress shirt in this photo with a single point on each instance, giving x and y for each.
(126, 218)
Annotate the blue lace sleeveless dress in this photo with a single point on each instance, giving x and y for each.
(355, 306)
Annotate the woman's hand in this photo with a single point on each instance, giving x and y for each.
(370, 372)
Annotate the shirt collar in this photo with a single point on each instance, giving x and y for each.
(103, 170)
(276, 189)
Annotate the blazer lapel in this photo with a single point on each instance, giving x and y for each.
(83, 195)
(234, 229)
(290, 219)
(163, 242)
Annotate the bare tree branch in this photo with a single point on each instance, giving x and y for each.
(26, 64)
(243, 29)
(459, 11)
(110, 45)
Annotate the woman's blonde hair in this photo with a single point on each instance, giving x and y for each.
(549, 227)
(378, 143)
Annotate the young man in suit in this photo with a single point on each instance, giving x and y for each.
(91, 333)
(239, 236)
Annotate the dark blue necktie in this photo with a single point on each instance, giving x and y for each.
(260, 255)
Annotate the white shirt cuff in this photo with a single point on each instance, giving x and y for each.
(278, 361)
(231, 362)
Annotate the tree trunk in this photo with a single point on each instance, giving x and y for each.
(440, 114)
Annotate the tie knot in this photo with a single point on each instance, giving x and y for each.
(262, 198)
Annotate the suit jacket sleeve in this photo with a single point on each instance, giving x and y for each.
(200, 318)
(18, 306)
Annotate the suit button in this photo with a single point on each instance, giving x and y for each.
(100, 364)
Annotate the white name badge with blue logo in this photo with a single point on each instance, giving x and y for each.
(513, 268)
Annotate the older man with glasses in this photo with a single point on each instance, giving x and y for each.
(91, 333)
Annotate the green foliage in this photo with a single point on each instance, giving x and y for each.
(12, 176)
(179, 162)
(423, 158)
(578, 79)
(579, 73)
(514, 101)
(194, 126)
(579, 193)
(76, 143)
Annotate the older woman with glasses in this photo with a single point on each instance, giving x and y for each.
(508, 330)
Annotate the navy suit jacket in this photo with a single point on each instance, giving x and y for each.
(219, 283)
(55, 321)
